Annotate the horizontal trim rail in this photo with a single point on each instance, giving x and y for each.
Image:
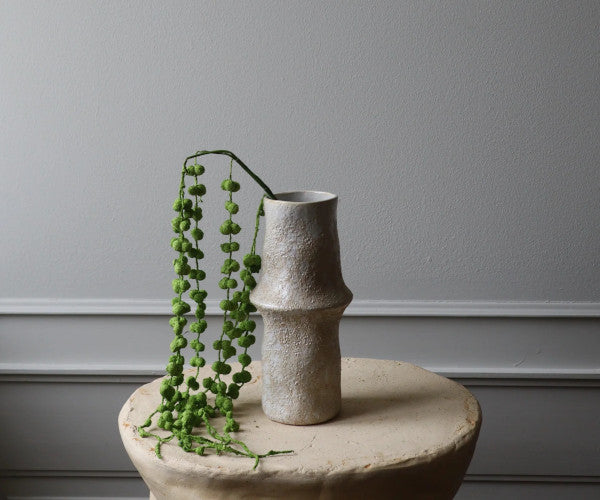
(102, 373)
(359, 308)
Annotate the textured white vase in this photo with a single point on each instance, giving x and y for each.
(301, 297)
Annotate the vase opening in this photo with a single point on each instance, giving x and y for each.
(304, 197)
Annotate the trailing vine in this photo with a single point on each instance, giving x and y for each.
(185, 403)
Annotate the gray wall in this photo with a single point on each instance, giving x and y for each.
(461, 138)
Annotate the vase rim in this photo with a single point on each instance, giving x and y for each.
(302, 197)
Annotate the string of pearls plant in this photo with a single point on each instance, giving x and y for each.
(187, 402)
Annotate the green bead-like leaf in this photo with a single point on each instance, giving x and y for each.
(199, 326)
(234, 333)
(180, 285)
(230, 266)
(242, 377)
(228, 352)
(197, 213)
(238, 314)
(197, 345)
(231, 207)
(197, 190)
(176, 358)
(182, 269)
(174, 368)
(252, 262)
(197, 274)
(199, 400)
(167, 392)
(233, 391)
(244, 359)
(196, 253)
(227, 305)
(178, 329)
(225, 228)
(221, 368)
(192, 383)
(180, 308)
(177, 321)
(246, 341)
(234, 246)
(197, 361)
(247, 325)
(229, 185)
(176, 244)
(250, 282)
(175, 224)
(197, 233)
(178, 343)
(198, 295)
(224, 403)
(182, 259)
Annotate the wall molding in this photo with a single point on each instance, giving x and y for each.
(358, 308)
(141, 374)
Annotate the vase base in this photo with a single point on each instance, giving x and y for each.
(298, 419)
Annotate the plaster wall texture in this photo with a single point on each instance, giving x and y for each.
(460, 137)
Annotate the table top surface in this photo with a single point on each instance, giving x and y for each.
(394, 414)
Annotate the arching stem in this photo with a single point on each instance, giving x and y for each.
(256, 178)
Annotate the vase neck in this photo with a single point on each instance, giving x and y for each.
(301, 255)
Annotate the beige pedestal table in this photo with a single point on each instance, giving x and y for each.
(403, 432)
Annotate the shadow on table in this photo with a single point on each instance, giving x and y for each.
(357, 407)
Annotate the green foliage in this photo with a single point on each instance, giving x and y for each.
(185, 405)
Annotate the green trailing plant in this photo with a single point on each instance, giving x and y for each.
(188, 405)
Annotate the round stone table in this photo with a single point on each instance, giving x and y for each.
(403, 432)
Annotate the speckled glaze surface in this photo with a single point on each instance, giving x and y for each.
(301, 296)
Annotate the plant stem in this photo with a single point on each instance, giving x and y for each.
(256, 178)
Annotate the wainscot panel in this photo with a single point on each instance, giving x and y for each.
(64, 377)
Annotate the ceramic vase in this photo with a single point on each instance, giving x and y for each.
(301, 296)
